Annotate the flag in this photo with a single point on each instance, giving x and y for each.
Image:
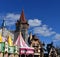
(0, 38)
(10, 42)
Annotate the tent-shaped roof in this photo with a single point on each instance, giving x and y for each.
(24, 48)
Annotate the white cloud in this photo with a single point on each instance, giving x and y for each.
(56, 38)
(34, 22)
(11, 18)
(39, 28)
(43, 30)
(9, 23)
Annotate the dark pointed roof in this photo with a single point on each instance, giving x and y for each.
(22, 17)
(3, 24)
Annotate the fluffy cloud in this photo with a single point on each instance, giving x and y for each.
(11, 18)
(56, 37)
(34, 22)
(43, 30)
(39, 28)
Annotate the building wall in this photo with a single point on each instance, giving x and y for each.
(36, 44)
(53, 52)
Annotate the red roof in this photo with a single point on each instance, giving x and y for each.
(22, 17)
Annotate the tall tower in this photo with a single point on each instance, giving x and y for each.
(22, 25)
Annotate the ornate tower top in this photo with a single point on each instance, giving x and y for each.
(22, 25)
(22, 21)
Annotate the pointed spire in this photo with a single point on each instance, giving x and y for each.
(10, 42)
(30, 36)
(3, 24)
(22, 17)
(0, 37)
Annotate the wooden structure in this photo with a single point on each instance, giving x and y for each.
(52, 52)
(37, 45)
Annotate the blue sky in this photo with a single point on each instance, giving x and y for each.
(44, 14)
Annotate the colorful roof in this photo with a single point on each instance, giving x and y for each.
(23, 46)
